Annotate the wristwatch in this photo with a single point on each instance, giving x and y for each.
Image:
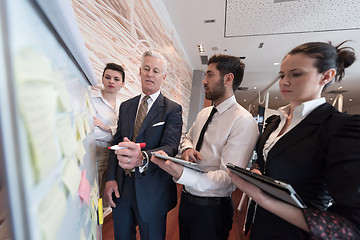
(145, 159)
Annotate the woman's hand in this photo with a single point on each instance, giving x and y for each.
(99, 124)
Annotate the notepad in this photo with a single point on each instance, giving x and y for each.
(184, 163)
(273, 187)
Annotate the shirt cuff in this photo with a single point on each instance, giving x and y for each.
(188, 177)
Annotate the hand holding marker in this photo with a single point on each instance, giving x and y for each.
(116, 147)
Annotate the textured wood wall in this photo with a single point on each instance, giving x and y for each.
(120, 31)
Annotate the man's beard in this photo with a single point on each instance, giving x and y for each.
(217, 92)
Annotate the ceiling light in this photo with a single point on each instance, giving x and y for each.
(331, 99)
(209, 21)
(276, 97)
(244, 100)
(201, 48)
(350, 99)
(261, 45)
(276, 63)
(255, 88)
(340, 87)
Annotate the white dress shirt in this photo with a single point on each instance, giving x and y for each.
(150, 101)
(300, 112)
(107, 115)
(230, 138)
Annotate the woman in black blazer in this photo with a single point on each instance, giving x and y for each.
(313, 147)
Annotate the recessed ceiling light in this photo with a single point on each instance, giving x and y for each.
(350, 99)
(276, 63)
(215, 48)
(331, 99)
(255, 88)
(209, 21)
(340, 87)
(244, 100)
(276, 97)
(201, 48)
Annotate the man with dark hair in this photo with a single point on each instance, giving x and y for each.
(221, 134)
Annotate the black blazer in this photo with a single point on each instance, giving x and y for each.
(320, 158)
(155, 189)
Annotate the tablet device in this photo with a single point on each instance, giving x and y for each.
(184, 163)
(275, 188)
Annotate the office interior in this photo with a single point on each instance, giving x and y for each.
(53, 52)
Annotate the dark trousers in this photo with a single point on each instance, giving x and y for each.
(126, 217)
(205, 218)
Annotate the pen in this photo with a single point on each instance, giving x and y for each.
(116, 147)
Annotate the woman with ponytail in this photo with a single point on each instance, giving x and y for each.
(313, 147)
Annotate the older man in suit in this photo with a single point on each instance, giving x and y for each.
(139, 192)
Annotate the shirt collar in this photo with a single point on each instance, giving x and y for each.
(226, 104)
(303, 109)
(153, 96)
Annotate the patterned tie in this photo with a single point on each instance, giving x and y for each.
(203, 130)
(140, 116)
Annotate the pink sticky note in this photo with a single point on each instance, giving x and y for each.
(84, 188)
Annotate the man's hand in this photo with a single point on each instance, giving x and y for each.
(130, 156)
(191, 155)
(169, 166)
(110, 188)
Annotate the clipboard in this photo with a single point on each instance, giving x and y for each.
(184, 163)
(273, 187)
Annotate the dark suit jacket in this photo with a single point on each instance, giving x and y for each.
(155, 189)
(320, 158)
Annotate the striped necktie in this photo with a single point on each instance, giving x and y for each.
(140, 117)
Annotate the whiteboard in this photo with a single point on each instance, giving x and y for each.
(50, 151)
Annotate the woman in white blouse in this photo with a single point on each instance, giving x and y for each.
(106, 106)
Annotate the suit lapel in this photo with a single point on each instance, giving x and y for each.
(303, 129)
(154, 111)
(131, 115)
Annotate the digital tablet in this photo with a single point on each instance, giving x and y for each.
(184, 163)
(275, 188)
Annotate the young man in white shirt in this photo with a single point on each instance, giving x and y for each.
(206, 208)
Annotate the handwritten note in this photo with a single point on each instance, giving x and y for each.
(66, 135)
(51, 212)
(37, 105)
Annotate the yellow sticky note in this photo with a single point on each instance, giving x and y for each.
(51, 213)
(71, 177)
(80, 126)
(66, 135)
(87, 125)
(80, 152)
(100, 209)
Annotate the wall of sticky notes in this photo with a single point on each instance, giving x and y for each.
(46, 128)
